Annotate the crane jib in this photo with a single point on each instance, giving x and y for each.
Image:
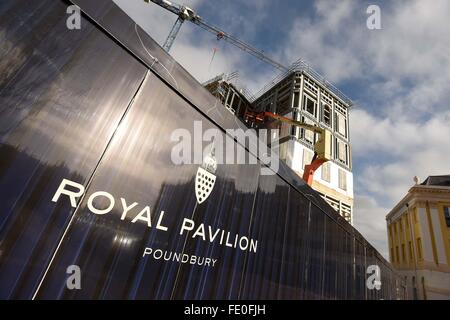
(185, 13)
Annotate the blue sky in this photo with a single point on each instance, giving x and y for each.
(398, 77)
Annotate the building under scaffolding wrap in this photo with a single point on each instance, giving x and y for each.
(85, 144)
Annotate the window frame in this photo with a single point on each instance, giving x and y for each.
(324, 107)
(342, 173)
(307, 133)
(337, 117)
(310, 156)
(446, 210)
(341, 147)
(305, 105)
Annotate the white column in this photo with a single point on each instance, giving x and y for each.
(440, 247)
(427, 249)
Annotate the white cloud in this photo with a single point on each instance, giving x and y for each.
(372, 135)
(237, 24)
(155, 20)
(371, 222)
(326, 41)
(408, 150)
(401, 126)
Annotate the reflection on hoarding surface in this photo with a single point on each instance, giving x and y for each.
(49, 128)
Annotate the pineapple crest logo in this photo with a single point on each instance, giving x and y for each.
(205, 178)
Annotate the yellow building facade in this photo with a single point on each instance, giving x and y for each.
(419, 238)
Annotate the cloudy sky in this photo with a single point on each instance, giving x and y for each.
(399, 78)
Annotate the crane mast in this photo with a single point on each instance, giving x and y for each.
(184, 13)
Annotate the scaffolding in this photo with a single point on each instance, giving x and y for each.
(233, 79)
(302, 66)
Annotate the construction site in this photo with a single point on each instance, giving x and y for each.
(86, 176)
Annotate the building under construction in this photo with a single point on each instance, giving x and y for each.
(302, 95)
(87, 180)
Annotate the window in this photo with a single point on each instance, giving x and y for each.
(447, 216)
(307, 157)
(309, 105)
(403, 253)
(419, 248)
(410, 250)
(296, 99)
(235, 104)
(283, 105)
(392, 255)
(346, 212)
(327, 115)
(341, 124)
(307, 135)
(229, 99)
(342, 151)
(326, 171)
(342, 179)
(401, 226)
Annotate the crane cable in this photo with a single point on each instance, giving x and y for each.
(212, 58)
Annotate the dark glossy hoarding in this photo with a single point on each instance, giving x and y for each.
(94, 107)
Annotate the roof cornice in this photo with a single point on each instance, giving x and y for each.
(420, 193)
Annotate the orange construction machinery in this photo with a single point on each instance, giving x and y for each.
(322, 148)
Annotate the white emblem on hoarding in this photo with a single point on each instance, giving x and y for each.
(205, 178)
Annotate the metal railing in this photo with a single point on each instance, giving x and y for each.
(232, 78)
(297, 66)
(301, 66)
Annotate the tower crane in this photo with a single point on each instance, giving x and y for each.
(187, 14)
(322, 148)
